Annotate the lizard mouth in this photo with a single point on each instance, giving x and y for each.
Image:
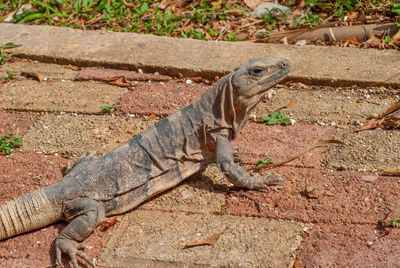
(283, 67)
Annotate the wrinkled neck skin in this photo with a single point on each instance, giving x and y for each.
(228, 113)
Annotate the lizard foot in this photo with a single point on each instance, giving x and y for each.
(263, 182)
(71, 248)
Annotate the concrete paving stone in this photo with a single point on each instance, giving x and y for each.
(197, 194)
(340, 197)
(341, 245)
(257, 141)
(161, 236)
(103, 74)
(327, 105)
(160, 97)
(67, 96)
(79, 134)
(316, 64)
(365, 150)
(48, 70)
(17, 123)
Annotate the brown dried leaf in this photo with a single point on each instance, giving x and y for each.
(310, 192)
(290, 104)
(395, 106)
(36, 75)
(299, 84)
(352, 40)
(391, 172)
(72, 67)
(107, 224)
(128, 4)
(210, 240)
(373, 123)
(119, 81)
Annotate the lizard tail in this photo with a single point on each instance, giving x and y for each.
(27, 212)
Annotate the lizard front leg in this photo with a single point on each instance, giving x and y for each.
(235, 173)
(85, 215)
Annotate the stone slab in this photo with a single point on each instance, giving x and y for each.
(325, 105)
(48, 70)
(197, 194)
(79, 134)
(161, 236)
(314, 64)
(257, 141)
(372, 150)
(67, 96)
(338, 197)
(339, 245)
(17, 123)
(160, 97)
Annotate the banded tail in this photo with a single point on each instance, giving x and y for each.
(27, 212)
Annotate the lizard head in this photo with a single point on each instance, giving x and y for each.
(251, 80)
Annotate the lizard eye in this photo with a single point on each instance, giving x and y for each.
(257, 71)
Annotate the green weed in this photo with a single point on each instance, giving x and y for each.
(8, 142)
(276, 118)
(10, 76)
(108, 109)
(265, 162)
(4, 54)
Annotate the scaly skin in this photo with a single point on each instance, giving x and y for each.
(155, 160)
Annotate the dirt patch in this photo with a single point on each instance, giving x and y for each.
(260, 141)
(79, 134)
(162, 236)
(330, 106)
(16, 123)
(338, 197)
(365, 150)
(160, 98)
(339, 245)
(67, 96)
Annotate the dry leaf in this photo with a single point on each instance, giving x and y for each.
(373, 123)
(299, 84)
(329, 193)
(73, 67)
(352, 40)
(128, 4)
(153, 116)
(290, 104)
(210, 240)
(36, 75)
(119, 81)
(310, 192)
(391, 172)
(107, 224)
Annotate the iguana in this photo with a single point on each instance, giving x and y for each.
(157, 159)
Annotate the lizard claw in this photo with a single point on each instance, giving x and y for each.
(71, 248)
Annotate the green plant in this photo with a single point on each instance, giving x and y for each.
(10, 76)
(276, 118)
(4, 55)
(338, 6)
(213, 164)
(265, 162)
(387, 39)
(271, 20)
(8, 142)
(107, 109)
(308, 20)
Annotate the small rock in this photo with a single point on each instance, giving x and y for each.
(301, 42)
(269, 8)
(370, 178)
